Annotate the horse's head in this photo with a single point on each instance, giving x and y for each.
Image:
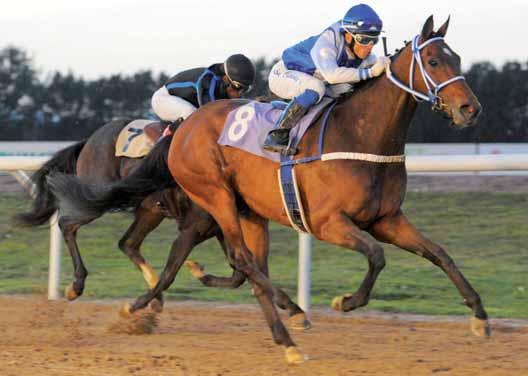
(435, 76)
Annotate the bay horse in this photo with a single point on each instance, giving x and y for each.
(93, 160)
(343, 197)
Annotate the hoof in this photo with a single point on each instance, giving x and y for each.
(337, 302)
(299, 322)
(126, 311)
(70, 293)
(156, 305)
(195, 268)
(480, 328)
(295, 356)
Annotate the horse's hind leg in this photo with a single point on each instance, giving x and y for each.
(147, 217)
(340, 230)
(256, 236)
(212, 195)
(399, 231)
(69, 227)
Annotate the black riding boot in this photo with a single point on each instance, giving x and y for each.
(278, 140)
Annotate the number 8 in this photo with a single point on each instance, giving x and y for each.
(239, 127)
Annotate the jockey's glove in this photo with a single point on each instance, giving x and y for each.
(382, 62)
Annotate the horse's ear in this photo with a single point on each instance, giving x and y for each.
(443, 29)
(427, 29)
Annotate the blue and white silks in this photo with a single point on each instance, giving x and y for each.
(326, 57)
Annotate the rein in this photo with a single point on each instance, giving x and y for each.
(290, 194)
(431, 95)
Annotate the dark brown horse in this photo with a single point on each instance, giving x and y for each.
(94, 161)
(343, 197)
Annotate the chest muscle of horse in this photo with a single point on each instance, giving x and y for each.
(375, 190)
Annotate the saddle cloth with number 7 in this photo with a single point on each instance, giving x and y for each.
(247, 126)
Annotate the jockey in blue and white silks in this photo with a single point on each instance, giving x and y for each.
(338, 57)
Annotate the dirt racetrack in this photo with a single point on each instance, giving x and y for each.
(59, 338)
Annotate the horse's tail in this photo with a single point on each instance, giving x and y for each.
(81, 199)
(44, 203)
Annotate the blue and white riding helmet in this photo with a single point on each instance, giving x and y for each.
(362, 19)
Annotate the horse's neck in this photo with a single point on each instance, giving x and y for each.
(375, 120)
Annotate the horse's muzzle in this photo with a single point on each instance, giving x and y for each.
(467, 114)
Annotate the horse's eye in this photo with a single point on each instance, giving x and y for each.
(433, 63)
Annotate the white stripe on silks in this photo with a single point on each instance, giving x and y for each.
(364, 157)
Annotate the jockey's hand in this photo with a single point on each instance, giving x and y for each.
(382, 62)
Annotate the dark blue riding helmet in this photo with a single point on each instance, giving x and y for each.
(362, 19)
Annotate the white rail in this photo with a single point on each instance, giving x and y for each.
(16, 167)
(21, 163)
(457, 163)
(436, 163)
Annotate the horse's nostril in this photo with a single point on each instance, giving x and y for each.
(470, 111)
(466, 109)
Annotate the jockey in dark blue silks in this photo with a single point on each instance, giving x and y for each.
(190, 89)
(338, 57)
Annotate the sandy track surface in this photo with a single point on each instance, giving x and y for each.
(59, 338)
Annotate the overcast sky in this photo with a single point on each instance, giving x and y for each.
(99, 37)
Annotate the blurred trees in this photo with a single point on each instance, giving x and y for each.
(66, 107)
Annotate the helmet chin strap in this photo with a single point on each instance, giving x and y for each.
(226, 72)
(229, 77)
(351, 44)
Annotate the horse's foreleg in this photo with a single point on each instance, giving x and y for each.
(147, 217)
(200, 228)
(69, 227)
(256, 236)
(258, 243)
(236, 280)
(399, 231)
(340, 230)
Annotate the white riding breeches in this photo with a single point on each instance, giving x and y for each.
(288, 84)
(169, 107)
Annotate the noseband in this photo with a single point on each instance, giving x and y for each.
(432, 87)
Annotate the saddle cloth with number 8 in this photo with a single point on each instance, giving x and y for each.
(246, 127)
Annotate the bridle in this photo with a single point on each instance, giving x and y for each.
(432, 87)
